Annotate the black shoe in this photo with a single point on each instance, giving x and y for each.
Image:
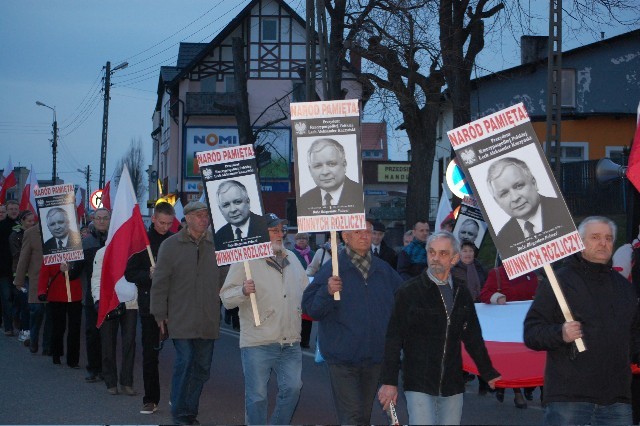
(56, 360)
(500, 395)
(46, 352)
(92, 378)
(519, 401)
(74, 366)
(528, 394)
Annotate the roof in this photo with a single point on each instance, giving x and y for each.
(187, 52)
(374, 135)
(598, 44)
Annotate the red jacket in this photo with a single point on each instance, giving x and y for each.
(58, 287)
(520, 288)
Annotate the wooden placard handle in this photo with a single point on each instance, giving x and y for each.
(153, 262)
(334, 260)
(562, 302)
(252, 296)
(66, 281)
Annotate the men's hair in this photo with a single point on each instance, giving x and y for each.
(104, 209)
(496, 169)
(409, 233)
(421, 220)
(470, 221)
(12, 202)
(227, 185)
(582, 228)
(56, 210)
(467, 243)
(164, 208)
(320, 144)
(447, 235)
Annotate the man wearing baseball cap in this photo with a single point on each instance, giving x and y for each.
(275, 344)
(185, 303)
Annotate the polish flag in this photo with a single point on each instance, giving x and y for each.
(106, 195)
(633, 171)
(127, 236)
(175, 227)
(444, 208)
(80, 203)
(7, 180)
(502, 330)
(28, 199)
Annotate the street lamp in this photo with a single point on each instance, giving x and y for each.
(54, 144)
(105, 119)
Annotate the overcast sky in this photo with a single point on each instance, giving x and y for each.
(55, 51)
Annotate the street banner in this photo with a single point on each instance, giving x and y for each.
(470, 224)
(502, 331)
(61, 241)
(328, 162)
(514, 187)
(232, 191)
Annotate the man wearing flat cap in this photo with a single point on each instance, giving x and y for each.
(274, 345)
(379, 248)
(185, 303)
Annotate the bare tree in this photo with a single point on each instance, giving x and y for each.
(134, 159)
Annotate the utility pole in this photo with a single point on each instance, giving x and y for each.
(87, 176)
(54, 142)
(554, 86)
(310, 71)
(105, 119)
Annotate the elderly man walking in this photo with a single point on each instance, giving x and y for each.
(274, 345)
(352, 329)
(594, 386)
(185, 302)
(432, 316)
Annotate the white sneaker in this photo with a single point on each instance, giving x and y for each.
(21, 336)
(27, 335)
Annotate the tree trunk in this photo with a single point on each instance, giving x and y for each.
(245, 132)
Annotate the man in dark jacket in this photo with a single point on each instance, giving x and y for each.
(594, 386)
(379, 248)
(6, 272)
(412, 260)
(351, 330)
(432, 316)
(139, 271)
(90, 245)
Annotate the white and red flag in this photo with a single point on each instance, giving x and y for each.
(80, 194)
(444, 209)
(502, 330)
(28, 199)
(7, 180)
(175, 227)
(127, 235)
(633, 172)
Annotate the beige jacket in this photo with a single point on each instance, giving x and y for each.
(278, 296)
(30, 262)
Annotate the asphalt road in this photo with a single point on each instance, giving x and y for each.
(34, 391)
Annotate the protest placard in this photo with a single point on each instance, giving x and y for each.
(470, 224)
(515, 188)
(61, 240)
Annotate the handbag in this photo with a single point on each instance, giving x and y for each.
(119, 311)
(319, 358)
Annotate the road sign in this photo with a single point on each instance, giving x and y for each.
(456, 181)
(96, 199)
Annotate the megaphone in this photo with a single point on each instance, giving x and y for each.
(607, 170)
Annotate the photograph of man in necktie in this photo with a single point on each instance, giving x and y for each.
(63, 238)
(515, 190)
(235, 205)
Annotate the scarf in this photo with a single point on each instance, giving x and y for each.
(304, 253)
(416, 251)
(362, 263)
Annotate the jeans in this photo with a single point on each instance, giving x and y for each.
(425, 409)
(354, 389)
(39, 312)
(150, 375)
(60, 312)
(6, 297)
(109, 337)
(92, 339)
(257, 363)
(22, 305)
(564, 413)
(191, 371)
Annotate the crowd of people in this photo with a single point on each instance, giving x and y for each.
(386, 313)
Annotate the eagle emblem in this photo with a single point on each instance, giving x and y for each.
(468, 156)
(207, 173)
(301, 128)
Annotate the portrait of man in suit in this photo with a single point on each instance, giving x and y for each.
(235, 205)
(515, 190)
(63, 237)
(328, 166)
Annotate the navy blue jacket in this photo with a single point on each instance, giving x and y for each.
(352, 330)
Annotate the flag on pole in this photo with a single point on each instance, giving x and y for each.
(127, 235)
(633, 172)
(28, 199)
(175, 227)
(80, 203)
(7, 180)
(502, 330)
(444, 208)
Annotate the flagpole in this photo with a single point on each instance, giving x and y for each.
(66, 281)
(252, 296)
(334, 260)
(153, 262)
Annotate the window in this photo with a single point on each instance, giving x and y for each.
(229, 83)
(616, 154)
(568, 89)
(208, 84)
(269, 29)
(570, 152)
